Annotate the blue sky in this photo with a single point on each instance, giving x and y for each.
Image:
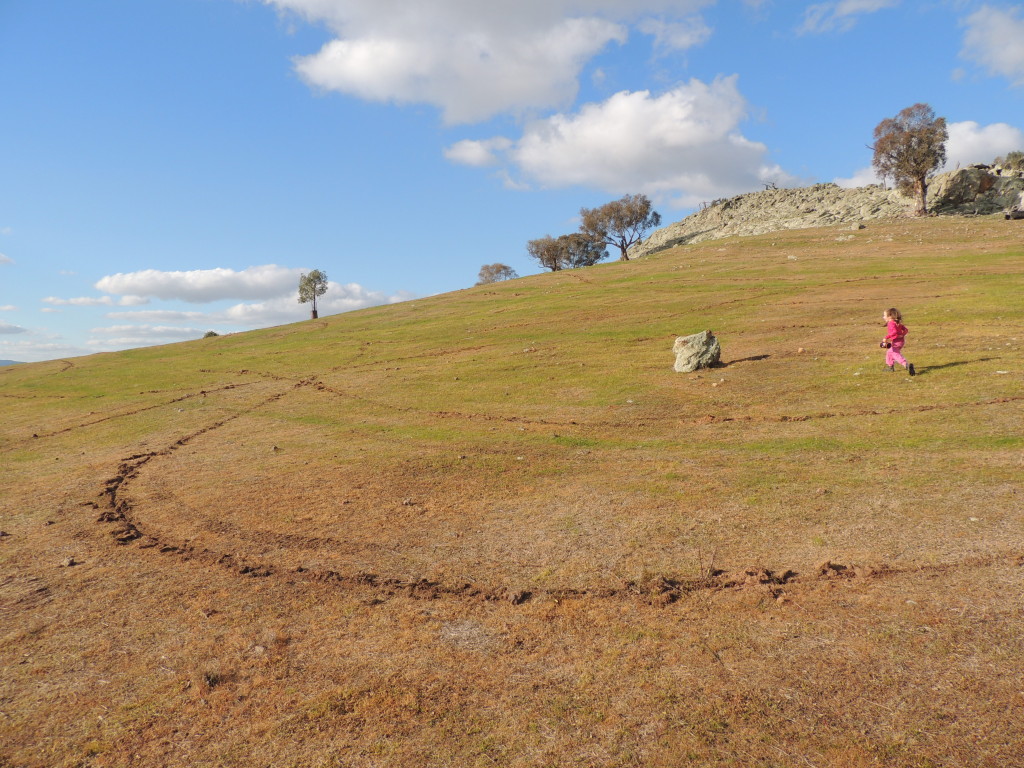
(170, 167)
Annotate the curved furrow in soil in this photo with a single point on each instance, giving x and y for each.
(781, 584)
(777, 583)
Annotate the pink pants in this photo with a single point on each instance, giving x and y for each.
(892, 354)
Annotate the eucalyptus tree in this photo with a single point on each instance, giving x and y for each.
(908, 148)
(311, 287)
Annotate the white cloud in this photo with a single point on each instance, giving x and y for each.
(8, 308)
(471, 59)
(972, 143)
(151, 331)
(477, 153)
(684, 144)
(117, 337)
(676, 35)
(863, 177)
(202, 285)
(340, 297)
(8, 328)
(34, 350)
(160, 316)
(96, 301)
(6, 259)
(995, 39)
(840, 15)
(287, 309)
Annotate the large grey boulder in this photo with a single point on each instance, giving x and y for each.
(972, 190)
(701, 350)
(948, 190)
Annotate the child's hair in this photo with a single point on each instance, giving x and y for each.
(894, 313)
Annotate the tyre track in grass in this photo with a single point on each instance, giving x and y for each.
(128, 528)
(124, 414)
(778, 583)
(319, 386)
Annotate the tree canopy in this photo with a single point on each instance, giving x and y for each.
(312, 286)
(495, 273)
(620, 223)
(566, 251)
(908, 148)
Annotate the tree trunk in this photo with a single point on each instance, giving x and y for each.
(921, 193)
(314, 314)
(624, 256)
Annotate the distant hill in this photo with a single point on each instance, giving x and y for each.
(10, 362)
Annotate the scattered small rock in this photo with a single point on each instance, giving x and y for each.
(67, 562)
(800, 351)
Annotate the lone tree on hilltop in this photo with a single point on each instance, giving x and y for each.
(908, 147)
(495, 273)
(566, 251)
(621, 223)
(311, 286)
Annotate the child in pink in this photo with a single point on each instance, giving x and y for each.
(895, 334)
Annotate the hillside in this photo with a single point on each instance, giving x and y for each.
(494, 527)
(978, 190)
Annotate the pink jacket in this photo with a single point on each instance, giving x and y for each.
(895, 331)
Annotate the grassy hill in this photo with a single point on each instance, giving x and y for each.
(494, 527)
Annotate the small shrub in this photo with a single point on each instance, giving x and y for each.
(210, 334)
(211, 674)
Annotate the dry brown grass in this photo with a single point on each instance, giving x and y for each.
(495, 528)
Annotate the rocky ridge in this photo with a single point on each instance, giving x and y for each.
(971, 191)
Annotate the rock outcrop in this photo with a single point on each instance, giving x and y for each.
(701, 350)
(976, 190)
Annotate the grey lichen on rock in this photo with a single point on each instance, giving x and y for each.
(700, 350)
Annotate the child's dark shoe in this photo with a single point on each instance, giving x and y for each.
(889, 368)
(910, 369)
